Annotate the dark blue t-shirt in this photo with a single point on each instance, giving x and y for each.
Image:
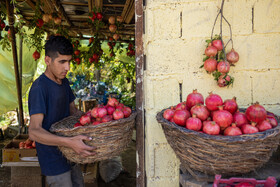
(52, 100)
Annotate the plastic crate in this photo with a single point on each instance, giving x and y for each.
(219, 182)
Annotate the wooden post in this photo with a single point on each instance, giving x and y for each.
(14, 50)
(140, 125)
(20, 63)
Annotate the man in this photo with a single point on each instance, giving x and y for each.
(51, 100)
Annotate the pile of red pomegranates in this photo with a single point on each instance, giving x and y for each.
(114, 110)
(218, 117)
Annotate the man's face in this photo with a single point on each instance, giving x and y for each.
(59, 66)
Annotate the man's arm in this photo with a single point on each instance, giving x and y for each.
(74, 110)
(38, 134)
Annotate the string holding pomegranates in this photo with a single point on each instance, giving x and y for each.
(217, 61)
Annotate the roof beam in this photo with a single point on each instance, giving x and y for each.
(130, 13)
(98, 4)
(113, 5)
(62, 12)
(90, 5)
(31, 4)
(127, 10)
(74, 3)
(49, 4)
(47, 7)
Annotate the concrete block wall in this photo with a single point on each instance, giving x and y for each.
(174, 43)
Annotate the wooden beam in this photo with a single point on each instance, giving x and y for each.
(61, 11)
(90, 5)
(74, 3)
(10, 15)
(127, 10)
(130, 14)
(140, 119)
(49, 3)
(113, 5)
(98, 4)
(31, 4)
(47, 7)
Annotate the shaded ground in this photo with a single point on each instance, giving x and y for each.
(126, 178)
(5, 172)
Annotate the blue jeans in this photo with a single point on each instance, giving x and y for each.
(72, 178)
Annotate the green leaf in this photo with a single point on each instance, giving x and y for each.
(205, 58)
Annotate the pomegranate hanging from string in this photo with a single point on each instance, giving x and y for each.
(217, 62)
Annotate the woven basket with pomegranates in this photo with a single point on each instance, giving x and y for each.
(227, 155)
(110, 138)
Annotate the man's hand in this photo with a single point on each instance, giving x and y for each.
(77, 144)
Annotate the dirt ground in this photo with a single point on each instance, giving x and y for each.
(127, 177)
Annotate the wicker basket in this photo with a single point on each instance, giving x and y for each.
(227, 155)
(110, 138)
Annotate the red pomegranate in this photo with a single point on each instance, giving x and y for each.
(57, 20)
(107, 118)
(126, 111)
(222, 117)
(249, 129)
(213, 101)
(99, 15)
(264, 125)
(94, 112)
(211, 51)
(101, 112)
(113, 102)
(256, 113)
(232, 131)
(223, 67)
(231, 105)
(218, 44)
(40, 23)
(180, 117)
(77, 52)
(118, 114)
(78, 125)
(181, 106)
(200, 111)
(112, 20)
(95, 56)
(120, 106)
(239, 118)
(210, 65)
(211, 127)
(272, 120)
(110, 109)
(232, 56)
(36, 55)
(85, 119)
(168, 113)
(193, 123)
(194, 98)
(96, 123)
(120, 19)
(116, 36)
(113, 28)
(222, 81)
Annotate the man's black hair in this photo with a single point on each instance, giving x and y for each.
(58, 45)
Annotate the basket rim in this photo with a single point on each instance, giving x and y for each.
(101, 125)
(230, 139)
